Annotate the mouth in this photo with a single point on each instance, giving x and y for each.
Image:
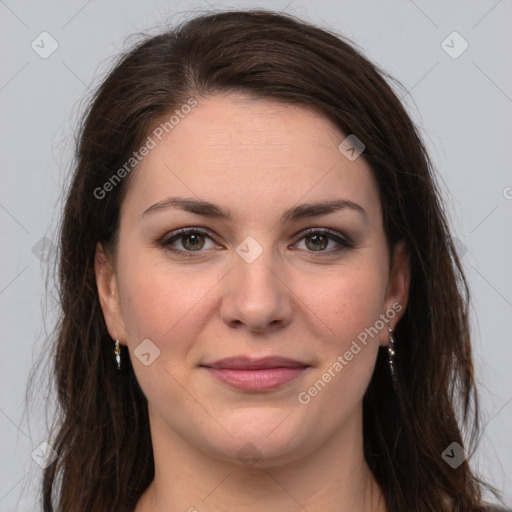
(256, 375)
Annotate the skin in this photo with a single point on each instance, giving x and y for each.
(257, 158)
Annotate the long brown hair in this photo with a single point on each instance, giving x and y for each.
(102, 432)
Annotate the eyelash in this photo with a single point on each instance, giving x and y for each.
(344, 241)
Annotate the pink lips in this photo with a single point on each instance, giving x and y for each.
(255, 374)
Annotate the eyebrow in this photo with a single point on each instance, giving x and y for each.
(302, 211)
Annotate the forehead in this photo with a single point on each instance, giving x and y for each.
(251, 155)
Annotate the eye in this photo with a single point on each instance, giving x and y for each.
(316, 240)
(192, 240)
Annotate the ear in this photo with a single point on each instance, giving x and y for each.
(397, 291)
(108, 292)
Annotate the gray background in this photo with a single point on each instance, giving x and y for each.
(462, 106)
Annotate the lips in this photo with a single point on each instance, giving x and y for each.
(246, 363)
(256, 375)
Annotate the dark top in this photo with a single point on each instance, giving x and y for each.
(492, 508)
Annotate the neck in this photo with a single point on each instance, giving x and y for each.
(332, 478)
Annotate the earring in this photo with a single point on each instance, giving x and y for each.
(117, 352)
(391, 358)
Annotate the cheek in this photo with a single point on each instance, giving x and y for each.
(164, 307)
(353, 301)
(357, 322)
(158, 301)
(349, 350)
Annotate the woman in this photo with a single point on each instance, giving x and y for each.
(262, 305)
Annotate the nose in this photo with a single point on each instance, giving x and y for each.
(256, 295)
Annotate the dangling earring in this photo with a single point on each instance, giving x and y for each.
(117, 352)
(391, 358)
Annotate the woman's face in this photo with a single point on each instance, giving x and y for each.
(267, 282)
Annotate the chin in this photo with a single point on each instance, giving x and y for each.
(263, 438)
